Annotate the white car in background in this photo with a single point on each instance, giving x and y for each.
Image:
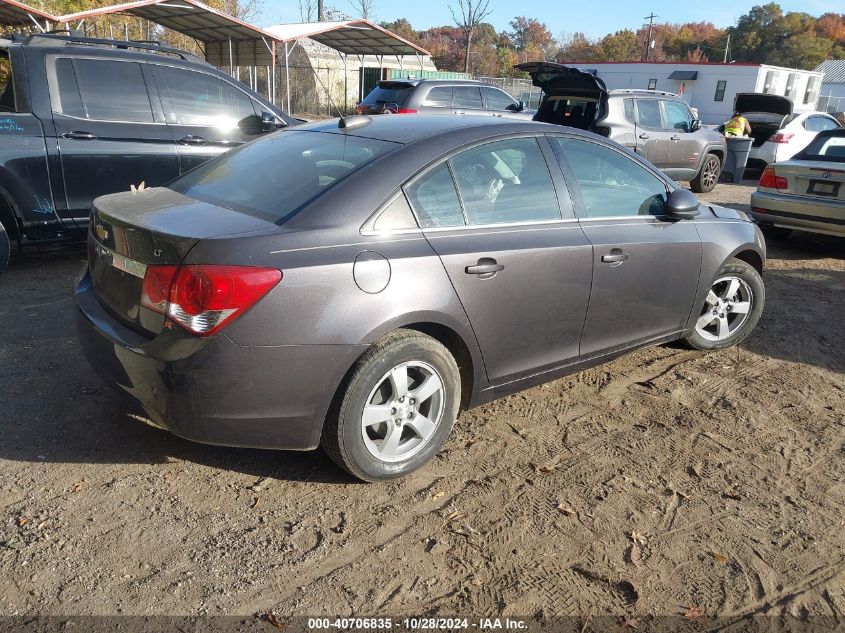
(778, 133)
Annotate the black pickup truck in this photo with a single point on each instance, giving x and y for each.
(82, 117)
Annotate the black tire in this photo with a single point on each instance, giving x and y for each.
(5, 248)
(343, 433)
(775, 232)
(707, 177)
(733, 268)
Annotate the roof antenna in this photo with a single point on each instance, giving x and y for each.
(345, 122)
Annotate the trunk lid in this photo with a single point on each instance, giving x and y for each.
(558, 82)
(130, 231)
(820, 180)
(759, 102)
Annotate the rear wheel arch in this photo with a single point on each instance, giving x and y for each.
(8, 217)
(456, 345)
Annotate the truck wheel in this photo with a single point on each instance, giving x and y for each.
(5, 248)
(395, 408)
(708, 175)
(732, 307)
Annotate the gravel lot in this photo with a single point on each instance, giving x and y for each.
(667, 482)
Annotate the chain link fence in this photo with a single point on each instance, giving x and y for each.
(519, 89)
(831, 104)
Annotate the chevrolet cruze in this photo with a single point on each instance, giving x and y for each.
(356, 283)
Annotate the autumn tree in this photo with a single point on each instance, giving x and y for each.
(364, 9)
(468, 15)
(531, 39)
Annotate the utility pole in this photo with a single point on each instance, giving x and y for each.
(650, 19)
(727, 48)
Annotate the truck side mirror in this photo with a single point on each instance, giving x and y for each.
(695, 126)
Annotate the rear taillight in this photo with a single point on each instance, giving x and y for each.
(781, 137)
(204, 298)
(771, 180)
(406, 111)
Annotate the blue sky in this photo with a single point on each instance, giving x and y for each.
(593, 18)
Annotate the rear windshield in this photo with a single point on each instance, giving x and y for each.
(7, 92)
(829, 148)
(396, 93)
(276, 176)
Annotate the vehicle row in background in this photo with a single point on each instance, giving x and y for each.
(657, 125)
(83, 117)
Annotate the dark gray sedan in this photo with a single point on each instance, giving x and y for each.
(357, 283)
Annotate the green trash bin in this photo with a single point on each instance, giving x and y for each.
(739, 147)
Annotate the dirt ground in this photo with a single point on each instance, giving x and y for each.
(667, 482)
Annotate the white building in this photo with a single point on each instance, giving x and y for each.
(711, 87)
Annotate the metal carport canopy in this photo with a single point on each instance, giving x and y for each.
(350, 37)
(17, 14)
(227, 40)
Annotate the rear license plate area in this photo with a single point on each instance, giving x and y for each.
(823, 188)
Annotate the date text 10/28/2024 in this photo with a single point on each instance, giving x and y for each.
(416, 624)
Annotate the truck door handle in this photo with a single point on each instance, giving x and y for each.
(615, 257)
(485, 268)
(674, 138)
(643, 135)
(193, 140)
(80, 136)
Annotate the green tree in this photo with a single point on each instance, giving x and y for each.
(622, 46)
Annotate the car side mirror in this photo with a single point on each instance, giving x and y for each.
(522, 106)
(682, 204)
(254, 124)
(695, 126)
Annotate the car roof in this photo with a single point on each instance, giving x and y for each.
(416, 81)
(406, 128)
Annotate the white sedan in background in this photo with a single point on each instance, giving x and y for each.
(791, 136)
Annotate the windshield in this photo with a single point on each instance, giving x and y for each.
(7, 93)
(396, 93)
(275, 176)
(826, 148)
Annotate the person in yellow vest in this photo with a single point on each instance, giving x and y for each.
(738, 126)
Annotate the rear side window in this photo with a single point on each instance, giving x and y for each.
(275, 176)
(439, 97)
(7, 89)
(648, 113)
(200, 99)
(382, 94)
(103, 90)
(611, 184)
(467, 97)
(819, 124)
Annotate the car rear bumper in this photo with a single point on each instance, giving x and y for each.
(213, 390)
(799, 212)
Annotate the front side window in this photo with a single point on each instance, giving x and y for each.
(498, 100)
(648, 113)
(678, 116)
(201, 99)
(611, 184)
(103, 90)
(720, 90)
(7, 88)
(467, 97)
(275, 176)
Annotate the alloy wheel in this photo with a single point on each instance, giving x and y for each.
(710, 175)
(726, 308)
(403, 411)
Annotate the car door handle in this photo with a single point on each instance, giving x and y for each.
(615, 257)
(193, 140)
(459, 112)
(485, 268)
(674, 138)
(643, 135)
(80, 136)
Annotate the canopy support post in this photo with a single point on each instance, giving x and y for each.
(231, 64)
(287, 75)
